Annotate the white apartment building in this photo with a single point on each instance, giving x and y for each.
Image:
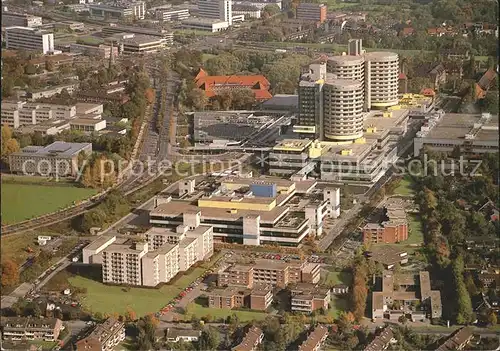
(29, 39)
(169, 15)
(11, 19)
(247, 12)
(163, 253)
(119, 10)
(57, 159)
(21, 113)
(216, 9)
(121, 263)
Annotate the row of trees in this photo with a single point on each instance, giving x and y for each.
(9, 144)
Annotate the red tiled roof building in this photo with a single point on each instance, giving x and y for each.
(213, 85)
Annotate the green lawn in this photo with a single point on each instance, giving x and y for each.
(206, 57)
(331, 278)
(199, 311)
(116, 299)
(416, 236)
(24, 201)
(338, 304)
(404, 187)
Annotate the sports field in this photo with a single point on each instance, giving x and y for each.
(24, 201)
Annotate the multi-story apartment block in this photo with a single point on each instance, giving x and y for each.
(12, 19)
(312, 12)
(122, 263)
(104, 337)
(392, 230)
(315, 339)
(172, 14)
(27, 38)
(216, 9)
(164, 253)
(261, 297)
(269, 272)
(309, 298)
(227, 298)
(30, 328)
(119, 10)
(57, 159)
(258, 298)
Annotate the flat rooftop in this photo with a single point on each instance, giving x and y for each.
(457, 125)
(241, 199)
(292, 145)
(56, 149)
(94, 245)
(352, 151)
(177, 208)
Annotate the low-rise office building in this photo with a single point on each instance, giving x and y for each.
(12, 19)
(205, 24)
(57, 159)
(114, 29)
(30, 328)
(51, 91)
(105, 337)
(142, 44)
(118, 10)
(406, 290)
(471, 134)
(87, 125)
(50, 127)
(259, 4)
(172, 14)
(315, 339)
(101, 51)
(27, 38)
(271, 211)
(247, 11)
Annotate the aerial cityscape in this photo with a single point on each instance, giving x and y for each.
(246, 175)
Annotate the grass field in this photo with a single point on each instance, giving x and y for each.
(416, 235)
(110, 299)
(14, 246)
(24, 201)
(244, 316)
(338, 304)
(331, 278)
(405, 187)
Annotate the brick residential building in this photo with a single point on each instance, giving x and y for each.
(261, 297)
(104, 337)
(214, 85)
(229, 298)
(312, 12)
(382, 341)
(393, 229)
(309, 298)
(251, 340)
(457, 340)
(272, 272)
(315, 339)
